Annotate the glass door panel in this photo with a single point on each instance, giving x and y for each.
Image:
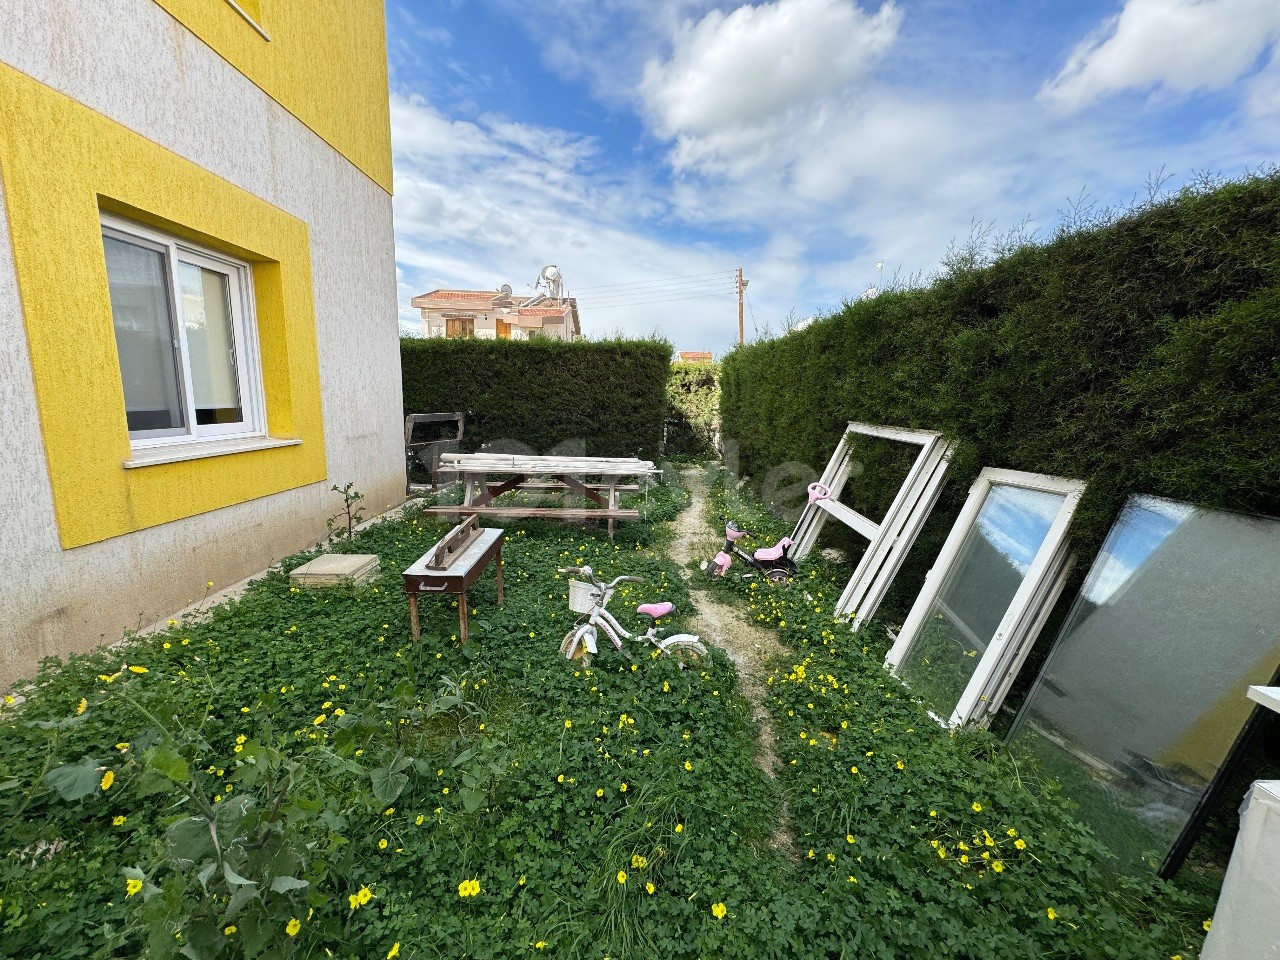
(979, 588)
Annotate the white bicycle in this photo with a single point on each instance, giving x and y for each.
(590, 600)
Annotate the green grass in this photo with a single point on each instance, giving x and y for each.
(503, 765)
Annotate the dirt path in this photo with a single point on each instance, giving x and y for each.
(747, 645)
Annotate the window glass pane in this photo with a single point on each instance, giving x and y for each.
(977, 591)
(144, 336)
(1144, 691)
(206, 315)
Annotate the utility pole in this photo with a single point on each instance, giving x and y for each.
(742, 286)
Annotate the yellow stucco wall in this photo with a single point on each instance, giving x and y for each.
(326, 63)
(62, 164)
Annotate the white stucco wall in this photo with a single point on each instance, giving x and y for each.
(130, 61)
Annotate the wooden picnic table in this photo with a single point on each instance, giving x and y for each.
(480, 473)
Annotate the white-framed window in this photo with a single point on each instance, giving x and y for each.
(186, 339)
(1001, 570)
(889, 540)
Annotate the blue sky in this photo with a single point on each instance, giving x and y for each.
(637, 142)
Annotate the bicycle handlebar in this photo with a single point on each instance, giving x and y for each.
(588, 572)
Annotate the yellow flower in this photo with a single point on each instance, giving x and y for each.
(523, 880)
(976, 807)
(718, 910)
(540, 945)
(138, 670)
(418, 821)
(82, 706)
(688, 766)
(108, 779)
(649, 888)
(560, 779)
(600, 792)
(623, 788)
(469, 888)
(568, 724)
(339, 712)
(1011, 832)
(1053, 914)
(638, 862)
(1207, 924)
(229, 930)
(997, 866)
(364, 896)
(679, 828)
(118, 822)
(622, 876)
(1020, 844)
(394, 951)
(353, 900)
(132, 886)
(293, 926)
(853, 769)
(849, 838)
(382, 844)
(320, 719)
(901, 765)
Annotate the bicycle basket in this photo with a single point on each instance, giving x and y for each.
(583, 597)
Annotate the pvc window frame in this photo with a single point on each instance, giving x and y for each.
(1027, 612)
(165, 445)
(891, 539)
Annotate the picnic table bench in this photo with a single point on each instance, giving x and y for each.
(480, 473)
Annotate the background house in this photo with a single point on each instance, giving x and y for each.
(497, 315)
(198, 331)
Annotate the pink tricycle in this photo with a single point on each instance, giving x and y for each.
(772, 562)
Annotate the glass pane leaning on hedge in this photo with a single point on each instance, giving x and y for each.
(997, 577)
(1144, 691)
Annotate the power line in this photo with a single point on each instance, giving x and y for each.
(650, 283)
(638, 303)
(645, 294)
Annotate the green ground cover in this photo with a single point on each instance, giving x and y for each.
(292, 776)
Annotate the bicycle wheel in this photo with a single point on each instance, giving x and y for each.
(574, 647)
(684, 648)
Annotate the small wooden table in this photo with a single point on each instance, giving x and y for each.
(568, 474)
(462, 571)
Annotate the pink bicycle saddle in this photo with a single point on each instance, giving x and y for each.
(656, 610)
(769, 554)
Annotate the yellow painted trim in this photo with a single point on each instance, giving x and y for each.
(326, 63)
(62, 164)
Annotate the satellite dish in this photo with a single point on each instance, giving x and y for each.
(505, 289)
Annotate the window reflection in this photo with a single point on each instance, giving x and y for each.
(981, 584)
(1144, 692)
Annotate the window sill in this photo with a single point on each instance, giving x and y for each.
(197, 450)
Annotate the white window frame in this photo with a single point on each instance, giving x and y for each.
(167, 445)
(1027, 612)
(891, 539)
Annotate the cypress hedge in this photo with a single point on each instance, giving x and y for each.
(1141, 355)
(586, 398)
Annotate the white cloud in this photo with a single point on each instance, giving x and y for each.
(486, 203)
(738, 83)
(1176, 45)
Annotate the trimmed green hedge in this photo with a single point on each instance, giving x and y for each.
(1142, 356)
(693, 409)
(544, 393)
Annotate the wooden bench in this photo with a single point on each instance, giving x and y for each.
(559, 513)
(452, 566)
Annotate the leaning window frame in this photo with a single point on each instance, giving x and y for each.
(1027, 612)
(244, 331)
(891, 539)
